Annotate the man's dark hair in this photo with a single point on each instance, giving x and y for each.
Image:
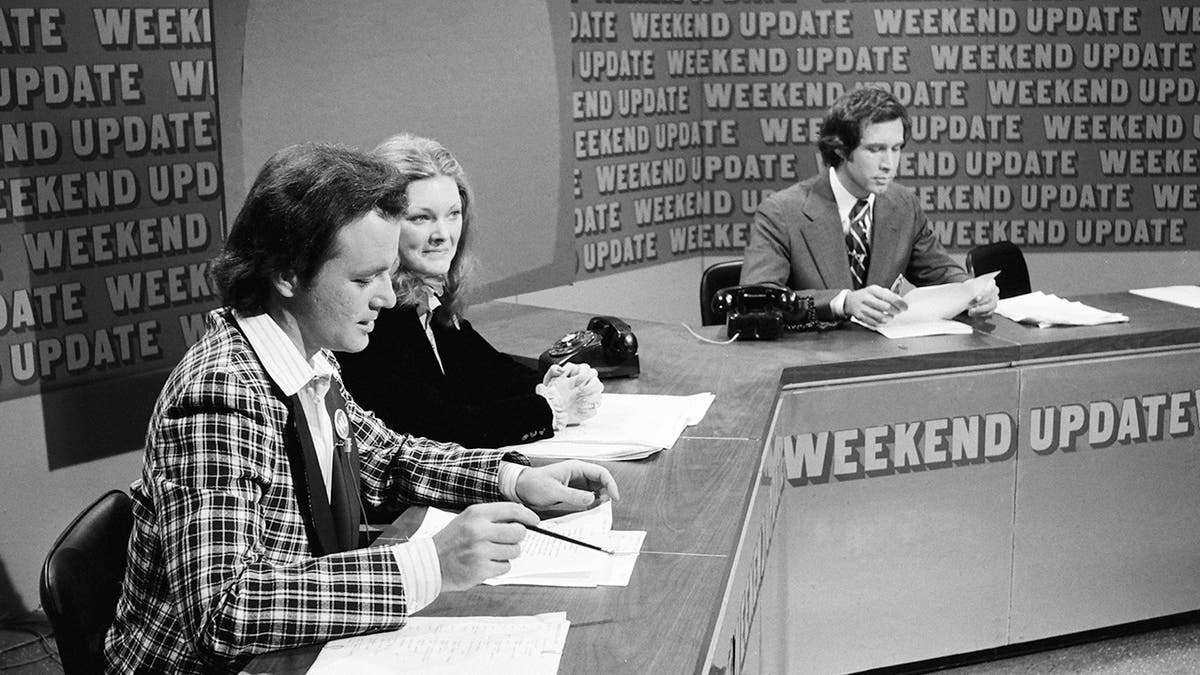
(841, 130)
(301, 198)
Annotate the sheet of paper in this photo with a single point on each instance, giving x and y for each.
(618, 568)
(1188, 296)
(602, 570)
(643, 419)
(1046, 310)
(930, 309)
(601, 452)
(452, 645)
(435, 519)
(628, 426)
(546, 561)
(893, 330)
(944, 301)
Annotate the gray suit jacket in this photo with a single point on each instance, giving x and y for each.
(797, 241)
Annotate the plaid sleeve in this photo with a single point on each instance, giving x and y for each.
(239, 570)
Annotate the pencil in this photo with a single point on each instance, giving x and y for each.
(572, 540)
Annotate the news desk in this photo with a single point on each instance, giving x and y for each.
(852, 502)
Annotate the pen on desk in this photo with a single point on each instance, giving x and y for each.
(572, 540)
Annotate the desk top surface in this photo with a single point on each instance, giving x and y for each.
(673, 361)
(1152, 323)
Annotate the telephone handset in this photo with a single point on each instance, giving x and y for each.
(608, 345)
(756, 312)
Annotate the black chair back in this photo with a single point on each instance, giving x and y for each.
(714, 278)
(81, 581)
(1007, 258)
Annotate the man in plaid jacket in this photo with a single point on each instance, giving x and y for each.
(257, 461)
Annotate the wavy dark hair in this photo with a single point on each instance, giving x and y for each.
(416, 158)
(841, 130)
(302, 197)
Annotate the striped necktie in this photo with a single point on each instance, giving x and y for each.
(858, 242)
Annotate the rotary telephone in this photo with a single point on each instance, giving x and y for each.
(608, 345)
(760, 312)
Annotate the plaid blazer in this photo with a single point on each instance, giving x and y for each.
(219, 562)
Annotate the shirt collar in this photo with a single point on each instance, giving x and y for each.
(285, 365)
(845, 200)
(427, 316)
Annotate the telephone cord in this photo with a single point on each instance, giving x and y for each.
(709, 340)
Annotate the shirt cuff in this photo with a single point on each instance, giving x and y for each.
(509, 473)
(838, 304)
(420, 571)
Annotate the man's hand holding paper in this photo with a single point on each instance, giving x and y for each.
(873, 305)
(978, 296)
(929, 308)
(986, 296)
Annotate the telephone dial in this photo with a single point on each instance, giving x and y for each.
(760, 312)
(608, 345)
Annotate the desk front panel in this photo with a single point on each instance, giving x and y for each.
(1108, 493)
(896, 519)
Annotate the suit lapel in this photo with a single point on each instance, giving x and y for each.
(887, 250)
(310, 486)
(824, 237)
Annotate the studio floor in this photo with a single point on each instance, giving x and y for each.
(1167, 650)
(27, 648)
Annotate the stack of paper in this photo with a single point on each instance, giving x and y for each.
(931, 308)
(546, 561)
(1188, 296)
(1047, 310)
(524, 645)
(628, 426)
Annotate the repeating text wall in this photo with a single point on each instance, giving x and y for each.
(110, 207)
(1060, 126)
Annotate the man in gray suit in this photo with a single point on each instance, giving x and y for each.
(845, 236)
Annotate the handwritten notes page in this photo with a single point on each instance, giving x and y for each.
(514, 645)
(546, 561)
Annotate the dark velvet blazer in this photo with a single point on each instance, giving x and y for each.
(485, 399)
